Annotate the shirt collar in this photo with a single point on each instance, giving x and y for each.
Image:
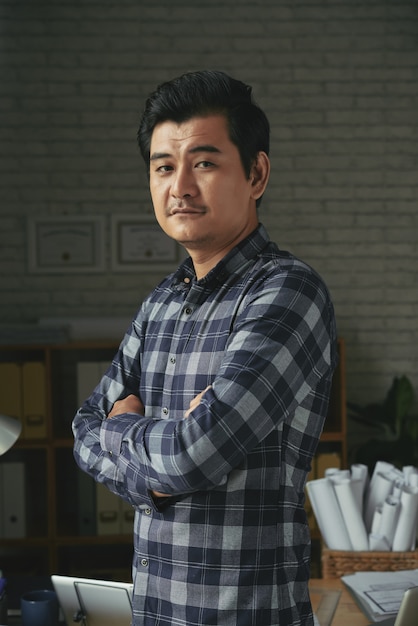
(233, 263)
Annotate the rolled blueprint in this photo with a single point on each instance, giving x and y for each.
(413, 480)
(405, 533)
(389, 519)
(407, 471)
(377, 518)
(352, 514)
(378, 543)
(357, 487)
(379, 489)
(328, 514)
(336, 471)
(397, 488)
(360, 472)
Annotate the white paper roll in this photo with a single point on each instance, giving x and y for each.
(389, 519)
(359, 471)
(379, 489)
(405, 533)
(397, 488)
(407, 470)
(357, 487)
(330, 472)
(413, 480)
(378, 543)
(377, 517)
(328, 514)
(352, 515)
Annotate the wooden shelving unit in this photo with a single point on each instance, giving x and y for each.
(51, 541)
(335, 429)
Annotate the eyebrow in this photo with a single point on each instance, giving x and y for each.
(203, 148)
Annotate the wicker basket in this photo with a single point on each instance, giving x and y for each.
(337, 563)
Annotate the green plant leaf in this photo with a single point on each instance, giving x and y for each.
(402, 397)
(398, 402)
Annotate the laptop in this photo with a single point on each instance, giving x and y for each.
(408, 611)
(92, 602)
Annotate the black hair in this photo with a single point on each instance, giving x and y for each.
(207, 92)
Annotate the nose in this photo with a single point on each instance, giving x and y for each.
(183, 183)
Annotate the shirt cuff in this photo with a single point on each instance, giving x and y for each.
(112, 430)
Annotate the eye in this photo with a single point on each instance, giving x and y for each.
(205, 164)
(163, 169)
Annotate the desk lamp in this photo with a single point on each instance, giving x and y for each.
(10, 429)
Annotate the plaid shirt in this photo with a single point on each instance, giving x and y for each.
(230, 546)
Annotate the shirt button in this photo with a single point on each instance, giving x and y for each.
(144, 562)
(165, 410)
(172, 359)
(147, 511)
(188, 310)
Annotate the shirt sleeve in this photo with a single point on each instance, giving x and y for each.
(280, 350)
(121, 379)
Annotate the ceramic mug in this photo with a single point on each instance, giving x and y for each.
(39, 608)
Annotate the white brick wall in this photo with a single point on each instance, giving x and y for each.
(339, 81)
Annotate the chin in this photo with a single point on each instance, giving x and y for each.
(189, 239)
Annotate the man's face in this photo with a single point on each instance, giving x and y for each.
(201, 195)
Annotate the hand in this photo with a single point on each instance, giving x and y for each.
(196, 401)
(130, 404)
(193, 404)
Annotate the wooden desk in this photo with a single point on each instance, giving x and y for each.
(348, 612)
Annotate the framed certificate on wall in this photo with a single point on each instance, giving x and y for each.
(66, 244)
(139, 244)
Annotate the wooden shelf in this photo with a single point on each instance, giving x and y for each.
(332, 448)
(98, 540)
(333, 436)
(50, 496)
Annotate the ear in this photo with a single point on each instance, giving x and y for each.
(259, 175)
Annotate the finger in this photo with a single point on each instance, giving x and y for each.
(196, 401)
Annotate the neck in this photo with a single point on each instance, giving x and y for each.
(204, 260)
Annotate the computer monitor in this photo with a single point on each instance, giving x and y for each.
(92, 602)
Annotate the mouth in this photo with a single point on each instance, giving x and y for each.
(185, 210)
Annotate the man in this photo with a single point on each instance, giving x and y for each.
(208, 418)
